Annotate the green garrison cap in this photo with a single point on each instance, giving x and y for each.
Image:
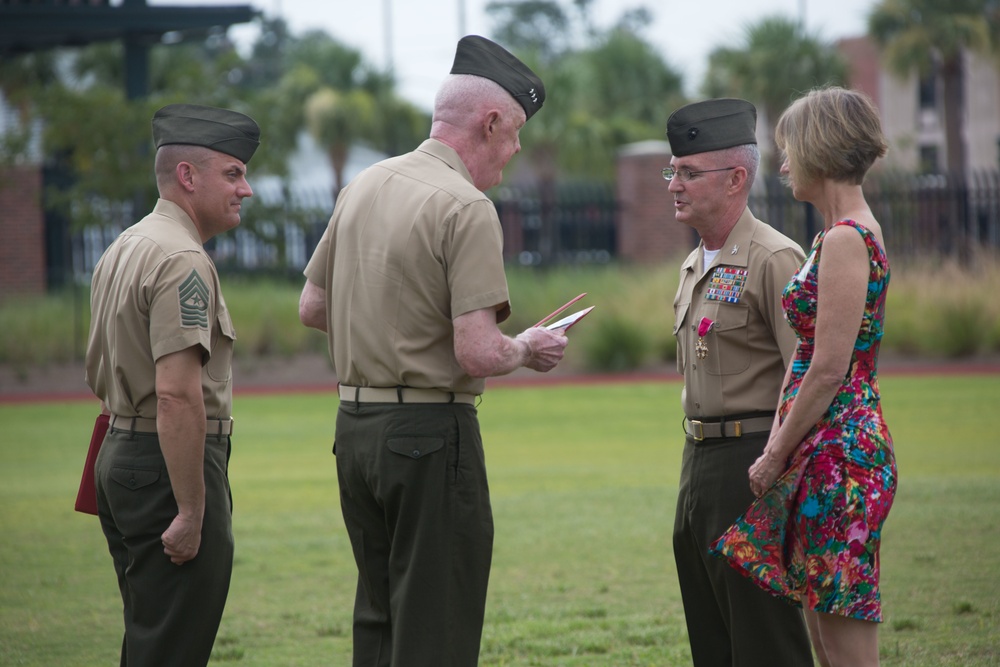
(222, 130)
(711, 125)
(479, 56)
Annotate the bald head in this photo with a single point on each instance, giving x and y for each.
(463, 100)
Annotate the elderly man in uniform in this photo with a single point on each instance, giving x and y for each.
(158, 357)
(733, 345)
(408, 281)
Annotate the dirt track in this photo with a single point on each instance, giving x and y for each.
(314, 373)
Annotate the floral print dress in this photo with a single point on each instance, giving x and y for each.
(813, 538)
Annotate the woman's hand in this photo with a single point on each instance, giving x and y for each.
(765, 472)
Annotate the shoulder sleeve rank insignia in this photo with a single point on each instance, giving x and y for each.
(193, 295)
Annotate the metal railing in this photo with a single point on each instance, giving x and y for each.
(933, 215)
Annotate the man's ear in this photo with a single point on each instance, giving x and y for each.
(491, 123)
(737, 179)
(185, 175)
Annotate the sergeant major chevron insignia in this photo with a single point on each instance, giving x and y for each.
(193, 294)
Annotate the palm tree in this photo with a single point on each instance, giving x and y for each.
(337, 120)
(777, 63)
(923, 35)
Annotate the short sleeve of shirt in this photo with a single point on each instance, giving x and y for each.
(780, 268)
(476, 274)
(315, 270)
(180, 294)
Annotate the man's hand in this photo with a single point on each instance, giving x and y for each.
(182, 539)
(483, 351)
(546, 347)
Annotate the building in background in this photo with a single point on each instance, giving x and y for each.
(913, 109)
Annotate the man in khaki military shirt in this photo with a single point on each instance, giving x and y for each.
(158, 357)
(732, 347)
(409, 283)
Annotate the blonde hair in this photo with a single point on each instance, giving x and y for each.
(831, 133)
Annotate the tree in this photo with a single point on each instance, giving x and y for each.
(338, 120)
(541, 27)
(103, 141)
(20, 79)
(604, 88)
(929, 36)
(626, 77)
(777, 62)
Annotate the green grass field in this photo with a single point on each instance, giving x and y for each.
(583, 480)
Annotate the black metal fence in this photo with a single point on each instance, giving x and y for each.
(935, 215)
(927, 215)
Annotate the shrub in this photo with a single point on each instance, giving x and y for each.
(617, 344)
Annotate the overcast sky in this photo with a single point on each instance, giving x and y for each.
(420, 36)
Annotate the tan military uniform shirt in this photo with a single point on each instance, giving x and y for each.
(156, 291)
(411, 245)
(748, 342)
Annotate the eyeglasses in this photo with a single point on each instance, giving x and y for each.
(684, 174)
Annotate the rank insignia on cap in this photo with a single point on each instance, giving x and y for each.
(726, 284)
(193, 295)
(480, 57)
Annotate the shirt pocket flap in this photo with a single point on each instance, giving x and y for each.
(732, 316)
(226, 325)
(680, 314)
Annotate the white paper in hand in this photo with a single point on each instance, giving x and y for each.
(568, 321)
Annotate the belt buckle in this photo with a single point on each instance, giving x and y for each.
(701, 429)
(737, 429)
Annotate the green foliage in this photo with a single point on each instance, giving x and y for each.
(266, 316)
(102, 140)
(40, 331)
(631, 324)
(536, 26)
(617, 345)
(583, 480)
(105, 143)
(934, 310)
(777, 62)
(605, 88)
(337, 120)
(917, 33)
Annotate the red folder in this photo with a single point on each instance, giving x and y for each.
(86, 497)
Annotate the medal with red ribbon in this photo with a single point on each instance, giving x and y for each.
(700, 346)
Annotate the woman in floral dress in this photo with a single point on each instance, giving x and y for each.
(827, 478)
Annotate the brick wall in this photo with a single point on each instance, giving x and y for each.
(647, 231)
(22, 231)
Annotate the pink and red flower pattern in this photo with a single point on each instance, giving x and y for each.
(813, 538)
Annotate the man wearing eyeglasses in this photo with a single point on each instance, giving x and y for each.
(733, 345)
